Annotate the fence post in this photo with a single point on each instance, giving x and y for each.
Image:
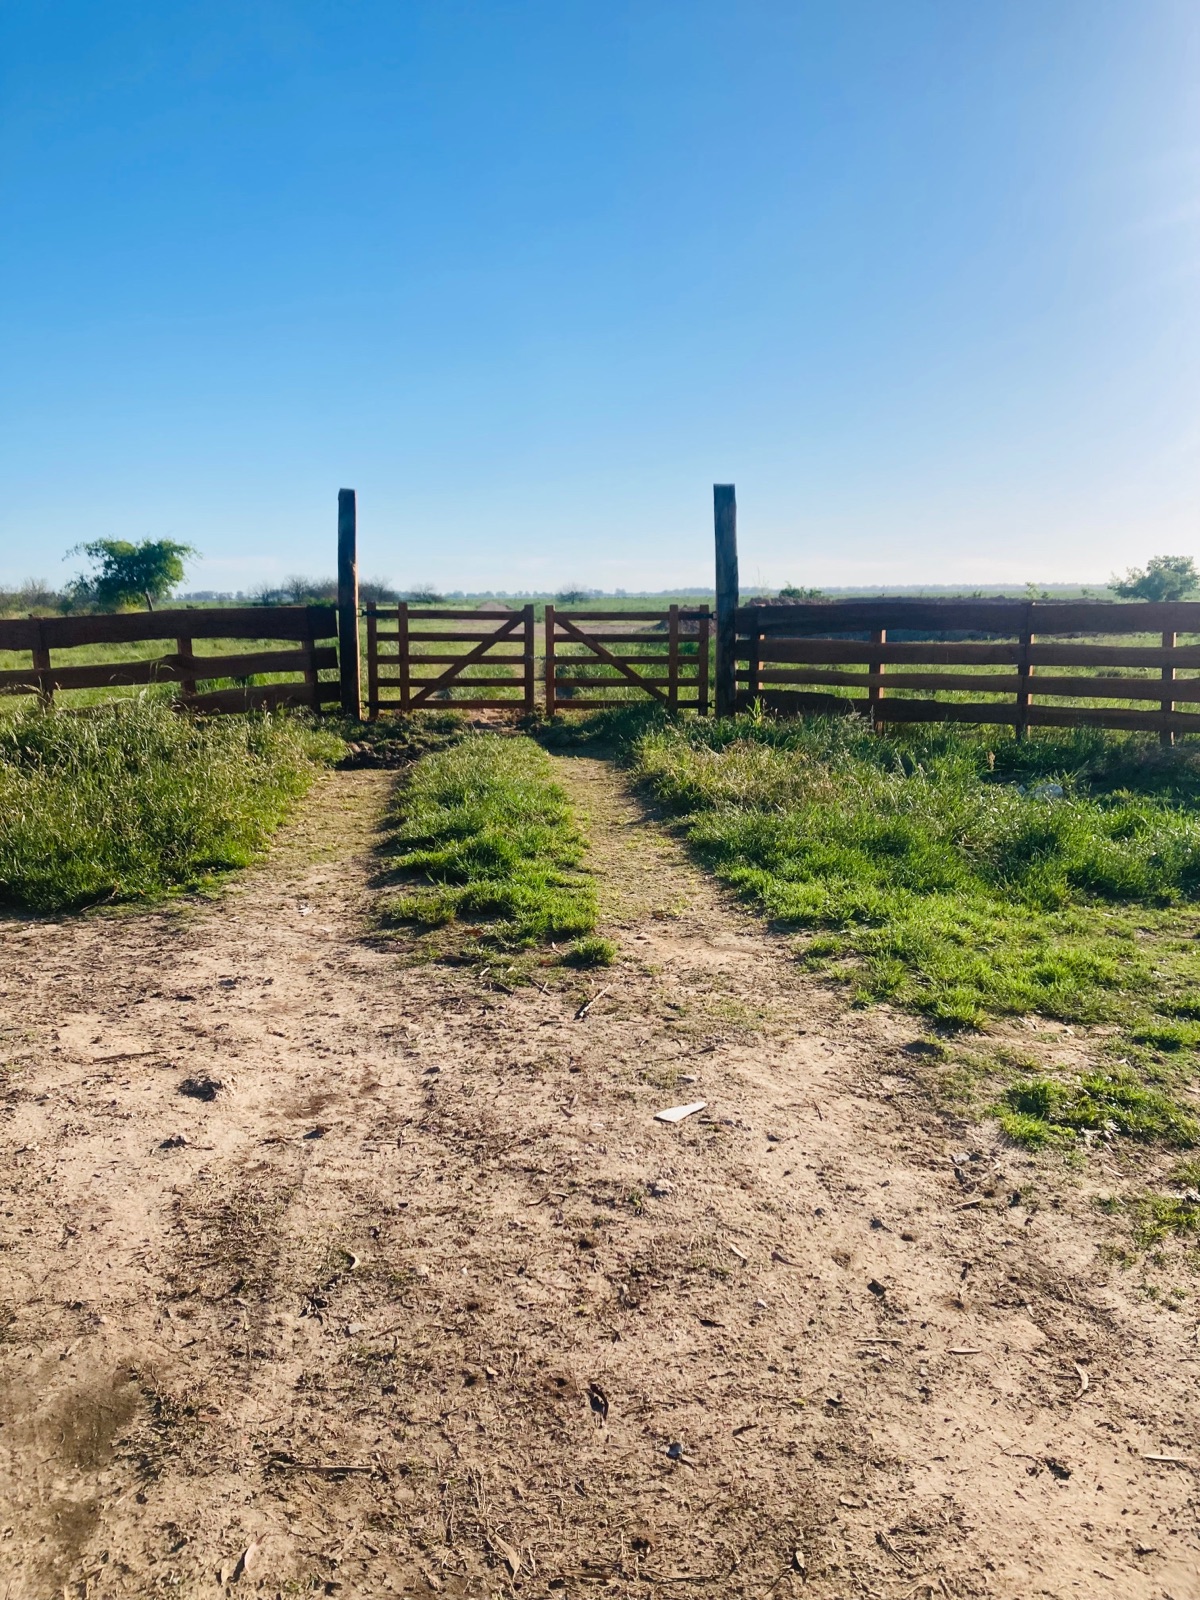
(183, 648)
(725, 527)
(372, 662)
(1024, 673)
(312, 677)
(702, 666)
(529, 660)
(673, 659)
(349, 658)
(551, 691)
(1168, 676)
(404, 656)
(875, 667)
(41, 665)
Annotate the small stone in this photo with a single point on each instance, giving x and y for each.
(660, 1188)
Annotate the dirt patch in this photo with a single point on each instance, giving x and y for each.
(426, 1301)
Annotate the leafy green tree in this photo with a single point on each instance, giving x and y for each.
(792, 591)
(1162, 578)
(126, 573)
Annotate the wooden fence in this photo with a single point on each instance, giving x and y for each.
(302, 627)
(1027, 664)
(589, 666)
(410, 668)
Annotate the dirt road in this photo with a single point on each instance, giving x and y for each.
(325, 1272)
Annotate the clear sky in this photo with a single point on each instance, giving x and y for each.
(919, 276)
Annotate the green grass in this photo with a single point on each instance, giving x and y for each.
(591, 952)
(1041, 1111)
(132, 801)
(922, 870)
(928, 874)
(488, 843)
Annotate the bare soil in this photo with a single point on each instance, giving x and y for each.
(328, 1271)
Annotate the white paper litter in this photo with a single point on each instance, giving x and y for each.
(677, 1113)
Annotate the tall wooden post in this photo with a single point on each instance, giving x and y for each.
(725, 526)
(349, 659)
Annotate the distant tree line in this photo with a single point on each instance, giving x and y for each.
(121, 575)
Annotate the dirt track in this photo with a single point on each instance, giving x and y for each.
(431, 1234)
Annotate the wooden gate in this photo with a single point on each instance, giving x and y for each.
(410, 668)
(588, 667)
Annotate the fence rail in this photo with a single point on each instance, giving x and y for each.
(851, 645)
(302, 626)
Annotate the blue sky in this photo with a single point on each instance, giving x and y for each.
(920, 278)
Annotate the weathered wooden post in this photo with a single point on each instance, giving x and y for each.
(349, 659)
(725, 525)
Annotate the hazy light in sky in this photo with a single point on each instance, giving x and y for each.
(920, 279)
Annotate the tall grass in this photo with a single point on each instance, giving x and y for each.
(938, 870)
(132, 801)
(487, 840)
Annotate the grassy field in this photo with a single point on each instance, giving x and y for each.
(487, 846)
(132, 801)
(969, 878)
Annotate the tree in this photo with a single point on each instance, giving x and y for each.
(127, 572)
(1163, 578)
